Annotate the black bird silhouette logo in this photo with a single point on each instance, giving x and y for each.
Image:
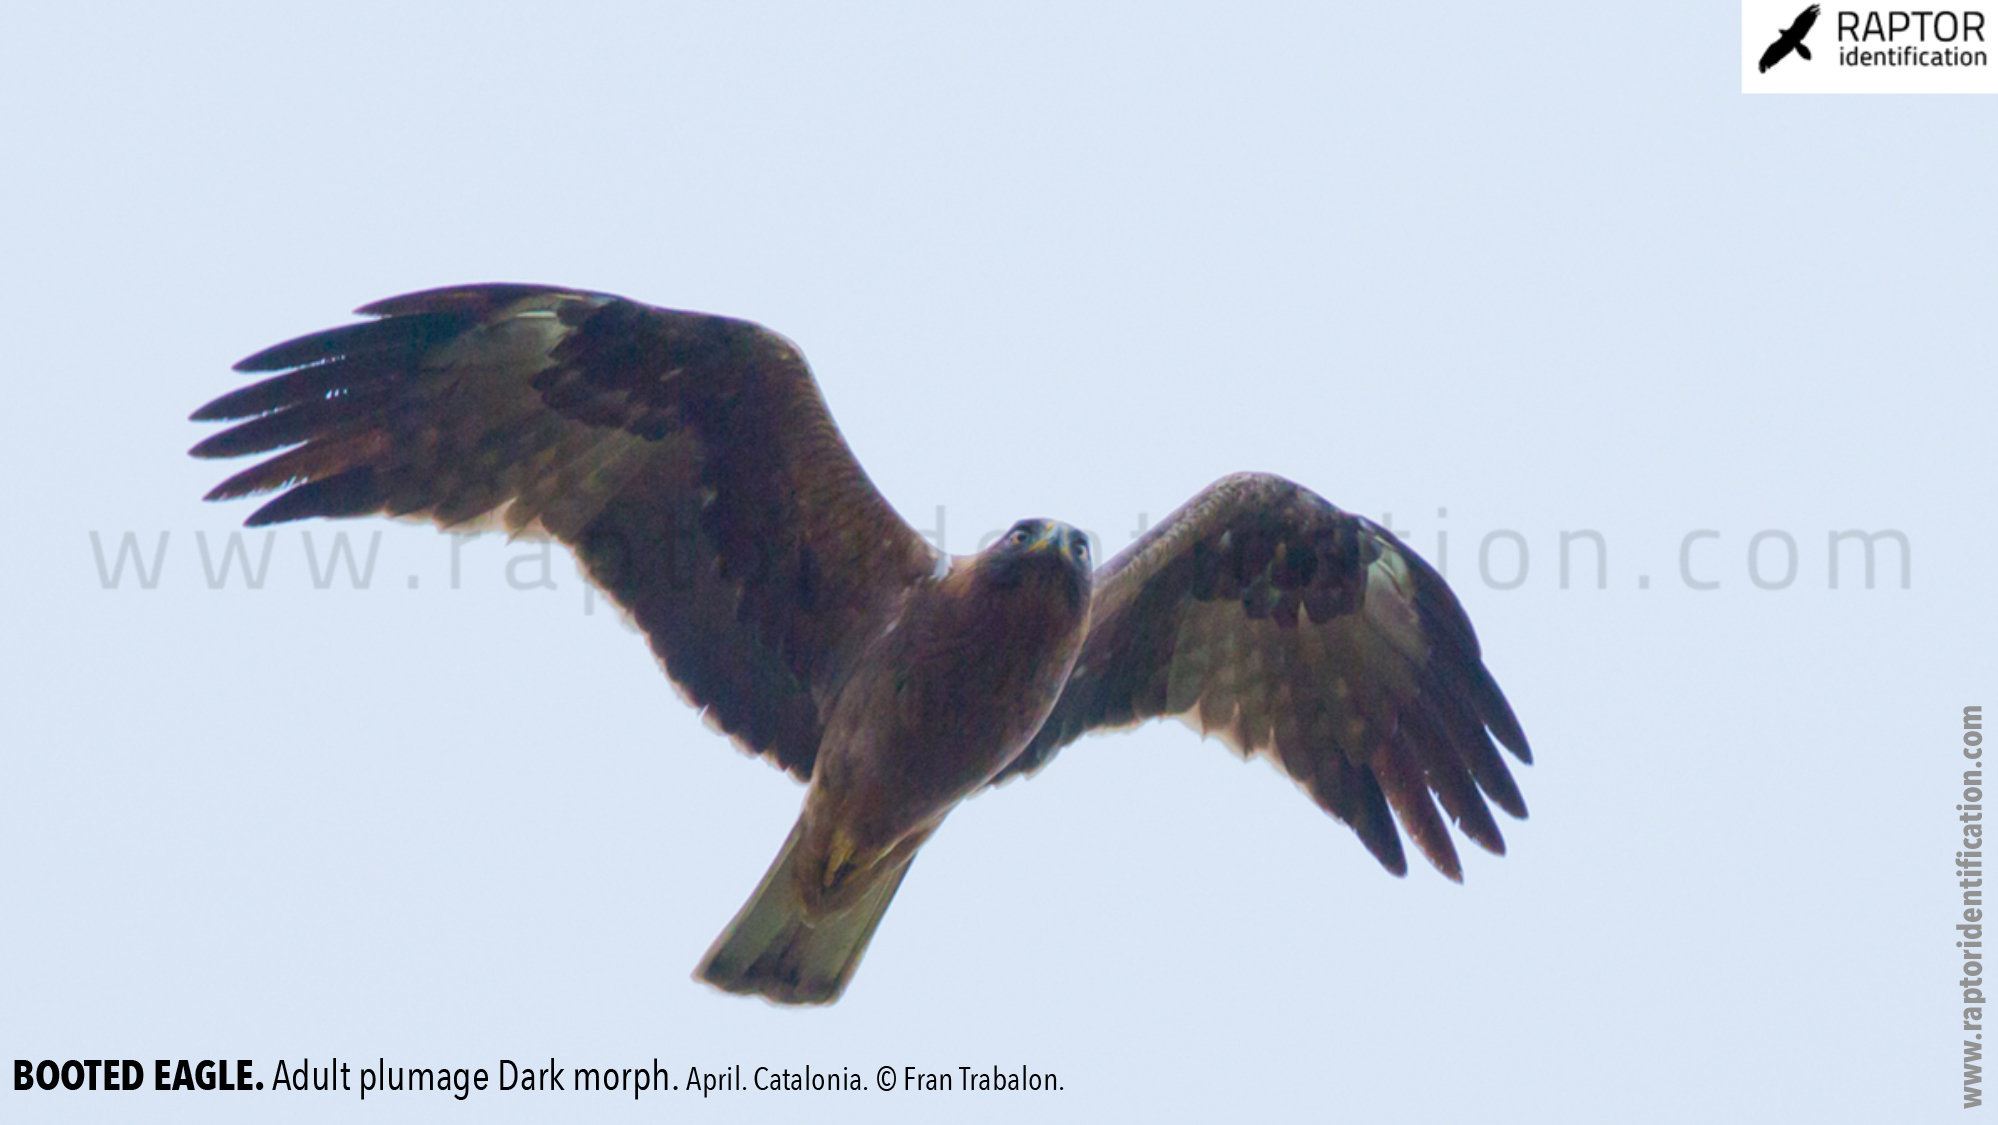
(1791, 39)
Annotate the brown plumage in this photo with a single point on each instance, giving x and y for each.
(939, 701)
(1261, 613)
(692, 464)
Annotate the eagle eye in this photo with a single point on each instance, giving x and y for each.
(1021, 536)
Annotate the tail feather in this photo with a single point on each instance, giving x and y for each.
(774, 950)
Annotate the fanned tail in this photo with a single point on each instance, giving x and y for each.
(772, 949)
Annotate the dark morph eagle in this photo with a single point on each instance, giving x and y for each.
(1791, 40)
(691, 463)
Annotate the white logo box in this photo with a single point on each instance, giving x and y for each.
(1869, 48)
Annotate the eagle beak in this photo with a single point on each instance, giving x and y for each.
(1059, 537)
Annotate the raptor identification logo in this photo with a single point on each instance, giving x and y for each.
(1789, 47)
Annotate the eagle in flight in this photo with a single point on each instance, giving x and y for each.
(1791, 39)
(691, 463)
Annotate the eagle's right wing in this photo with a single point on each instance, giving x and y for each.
(689, 459)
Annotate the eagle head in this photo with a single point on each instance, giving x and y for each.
(1044, 554)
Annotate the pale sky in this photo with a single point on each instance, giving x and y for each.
(1542, 268)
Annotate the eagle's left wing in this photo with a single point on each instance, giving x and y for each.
(1261, 613)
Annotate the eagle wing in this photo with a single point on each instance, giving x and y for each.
(1775, 53)
(689, 460)
(1261, 613)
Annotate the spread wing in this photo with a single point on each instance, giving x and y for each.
(1775, 53)
(1265, 615)
(1805, 20)
(689, 459)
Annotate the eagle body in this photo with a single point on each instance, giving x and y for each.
(692, 464)
(949, 693)
(954, 688)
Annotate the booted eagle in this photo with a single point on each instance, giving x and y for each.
(691, 463)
